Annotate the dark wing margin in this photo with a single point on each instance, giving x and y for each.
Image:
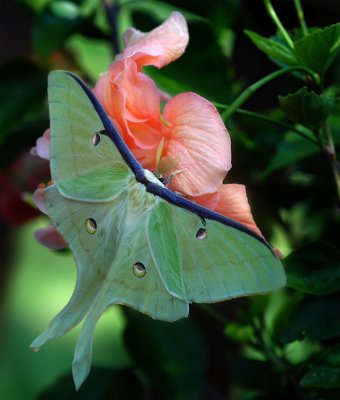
(201, 211)
(153, 188)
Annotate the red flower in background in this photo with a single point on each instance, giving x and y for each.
(22, 176)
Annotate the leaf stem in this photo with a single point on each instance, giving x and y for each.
(278, 23)
(257, 85)
(270, 120)
(301, 17)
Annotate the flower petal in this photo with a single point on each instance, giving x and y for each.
(112, 98)
(39, 200)
(132, 100)
(209, 200)
(234, 204)
(199, 143)
(42, 148)
(141, 93)
(50, 238)
(160, 46)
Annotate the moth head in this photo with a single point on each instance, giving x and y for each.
(150, 177)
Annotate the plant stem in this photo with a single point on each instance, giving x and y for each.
(267, 348)
(257, 85)
(213, 313)
(278, 23)
(266, 345)
(111, 12)
(331, 155)
(301, 17)
(270, 120)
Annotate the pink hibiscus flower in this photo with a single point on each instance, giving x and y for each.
(187, 142)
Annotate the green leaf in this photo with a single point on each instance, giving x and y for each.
(160, 10)
(316, 319)
(50, 31)
(281, 306)
(171, 355)
(325, 371)
(273, 49)
(314, 269)
(317, 50)
(301, 351)
(239, 332)
(65, 9)
(37, 5)
(289, 151)
(102, 383)
(307, 108)
(93, 56)
(96, 9)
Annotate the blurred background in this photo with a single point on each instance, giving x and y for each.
(223, 352)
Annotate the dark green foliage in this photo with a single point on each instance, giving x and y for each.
(314, 269)
(177, 349)
(18, 80)
(324, 372)
(291, 150)
(103, 384)
(316, 318)
(50, 32)
(253, 374)
(307, 108)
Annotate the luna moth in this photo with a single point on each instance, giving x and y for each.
(135, 242)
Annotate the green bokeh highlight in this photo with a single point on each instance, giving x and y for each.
(41, 283)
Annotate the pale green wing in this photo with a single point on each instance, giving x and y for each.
(109, 243)
(132, 247)
(212, 262)
(85, 164)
